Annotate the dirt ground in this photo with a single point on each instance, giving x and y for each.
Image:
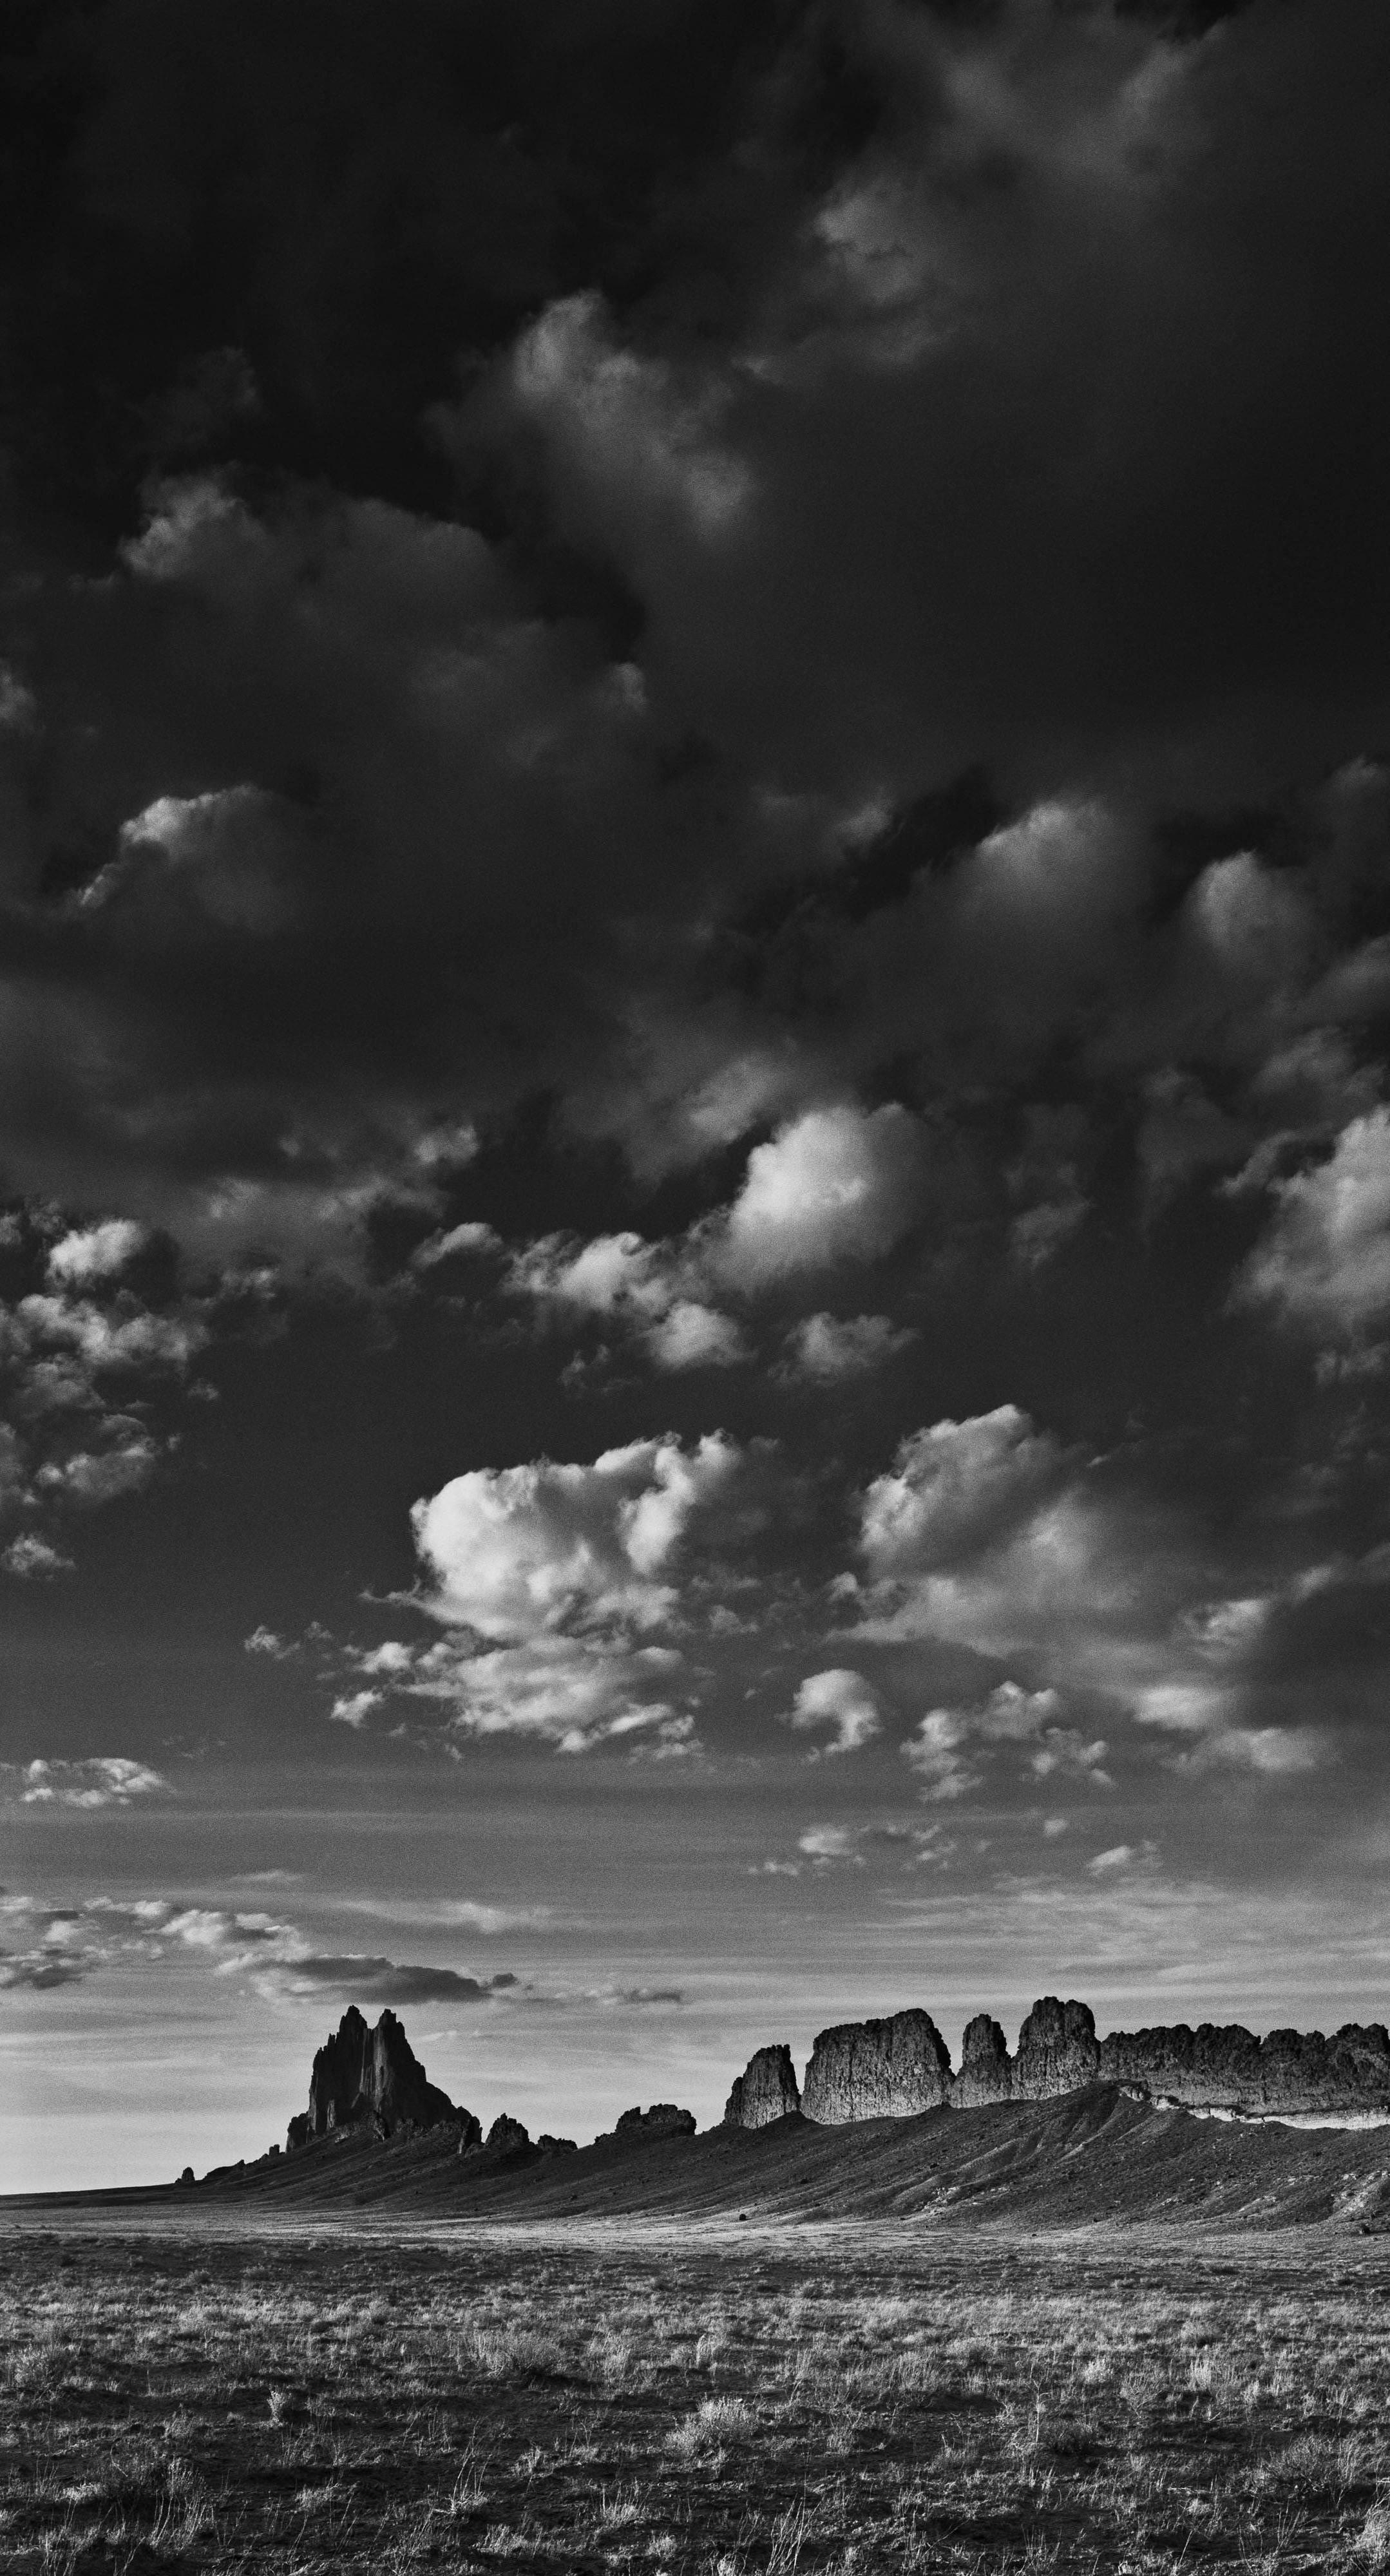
(201, 2386)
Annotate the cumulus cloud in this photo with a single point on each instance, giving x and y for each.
(827, 1349)
(80, 1346)
(34, 1559)
(952, 1749)
(1323, 1263)
(842, 1701)
(521, 1551)
(353, 1708)
(559, 1587)
(94, 1251)
(692, 1335)
(632, 445)
(103, 1780)
(936, 1755)
(836, 1185)
(956, 1488)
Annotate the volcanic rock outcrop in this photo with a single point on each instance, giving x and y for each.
(663, 2120)
(1056, 2053)
(871, 2070)
(1228, 2068)
(362, 2075)
(986, 2068)
(767, 2090)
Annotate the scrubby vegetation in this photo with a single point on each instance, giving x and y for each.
(754, 2400)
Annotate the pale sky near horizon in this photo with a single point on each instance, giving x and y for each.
(695, 1174)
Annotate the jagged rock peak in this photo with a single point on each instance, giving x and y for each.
(871, 2070)
(362, 2075)
(767, 2090)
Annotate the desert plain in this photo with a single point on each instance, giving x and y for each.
(1086, 2335)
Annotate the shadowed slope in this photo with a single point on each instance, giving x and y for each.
(1091, 2155)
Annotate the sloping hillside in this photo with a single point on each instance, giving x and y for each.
(1093, 2154)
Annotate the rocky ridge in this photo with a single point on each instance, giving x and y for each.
(899, 2066)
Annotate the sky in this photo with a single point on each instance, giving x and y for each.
(694, 979)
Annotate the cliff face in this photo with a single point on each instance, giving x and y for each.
(1057, 2051)
(868, 2069)
(871, 2070)
(766, 2090)
(986, 2068)
(1227, 2068)
(361, 2074)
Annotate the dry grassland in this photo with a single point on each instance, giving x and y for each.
(748, 2401)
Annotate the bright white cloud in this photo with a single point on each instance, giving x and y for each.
(94, 1252)
(126, 1336)
(573, 1692)
(842, 1701)
(471, 1239)
(353, 1708)
(936, 1754)
(956, 1488)
(516, 1552)
(826, 1842)
(1324, 1260)
(104, 1780)
(692, 1335)
(839, 1184)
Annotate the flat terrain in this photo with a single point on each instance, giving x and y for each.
(926, 2346)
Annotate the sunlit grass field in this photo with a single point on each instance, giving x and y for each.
(741, 2400)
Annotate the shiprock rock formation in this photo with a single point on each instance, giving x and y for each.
(869, 2070)
(767, 2090)
(363, 2075)
(875, 2069)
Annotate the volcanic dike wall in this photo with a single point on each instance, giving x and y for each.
(869, 2070)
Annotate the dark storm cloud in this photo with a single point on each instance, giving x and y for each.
(704, 700)
(41, 1970)
(931, 386)
(384, 1981)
